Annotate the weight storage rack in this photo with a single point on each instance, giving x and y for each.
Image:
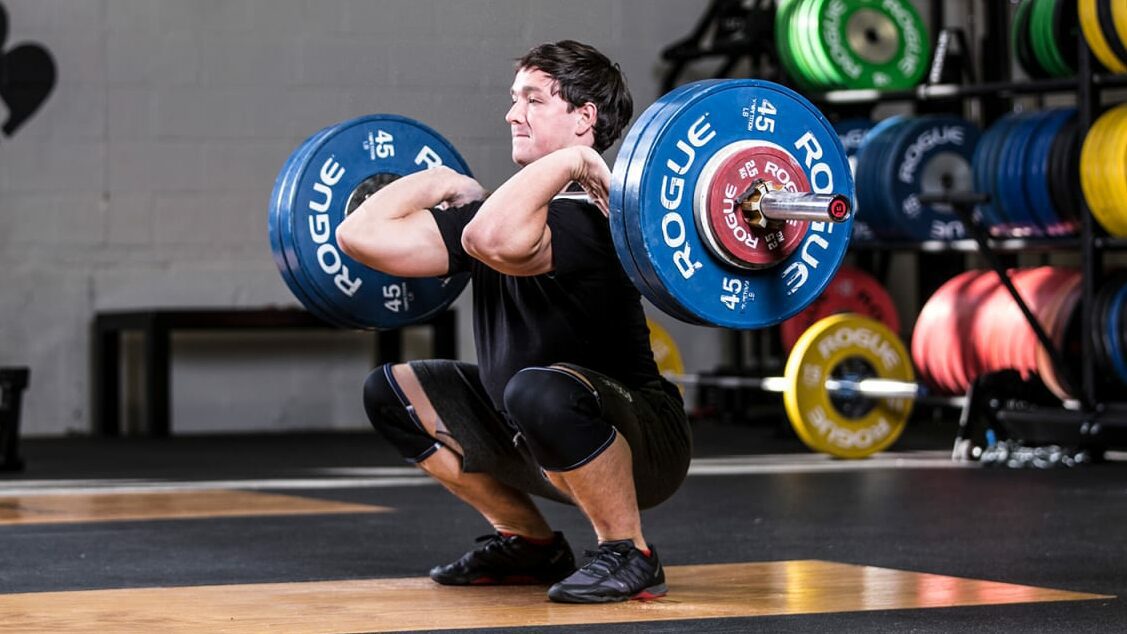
(1095, 420)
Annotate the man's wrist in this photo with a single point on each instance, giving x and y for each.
(439, 183)
(578, 162)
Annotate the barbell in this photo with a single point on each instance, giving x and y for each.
(731, 205)
(848, 386)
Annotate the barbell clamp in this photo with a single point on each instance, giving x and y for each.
(762, 205)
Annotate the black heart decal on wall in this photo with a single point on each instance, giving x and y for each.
(27, 77)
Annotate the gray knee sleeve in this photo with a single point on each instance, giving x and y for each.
(394, 417)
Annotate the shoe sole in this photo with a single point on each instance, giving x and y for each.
(648, 594)
(651, 593)
(512, 580)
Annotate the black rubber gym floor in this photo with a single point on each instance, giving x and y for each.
(754, 496)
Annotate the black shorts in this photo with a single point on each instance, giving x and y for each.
(650, 418)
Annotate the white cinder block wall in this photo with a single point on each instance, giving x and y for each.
(143, 182)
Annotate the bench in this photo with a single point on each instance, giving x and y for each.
(12, 384)
(156, 327)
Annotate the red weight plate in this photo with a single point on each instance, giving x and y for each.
(928, 343)
(731, 174)
(977, 337)
(1014, 337)
(1007, 321)
(1021, 340)
(919, 344)
(936, 307)
(917, 349)
(1007, 333)
(974, 361)
(1009, 328)
(949, 339)
(1072, 332)
(1012, 333)
(986, 329)
(1058, 312)
(1047, 282)
(966, 365)
(851, 291)
(999, 328)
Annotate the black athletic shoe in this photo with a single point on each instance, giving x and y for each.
(617, 571)
(510, 560)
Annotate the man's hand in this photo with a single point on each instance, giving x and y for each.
(593, 175)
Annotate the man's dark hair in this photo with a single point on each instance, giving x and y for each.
(584, 74)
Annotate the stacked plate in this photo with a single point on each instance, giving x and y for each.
(323, 181)
(1103, 170)
(972, 326)
(904, 157)
(1043, 37)
(1028, 163)
(1104, 23)
(830, 44)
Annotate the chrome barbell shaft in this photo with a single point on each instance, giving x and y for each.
(767, 384)
(874, 388)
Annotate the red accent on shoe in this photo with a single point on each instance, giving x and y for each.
(647, 596)
(484, 581)
(647, 552)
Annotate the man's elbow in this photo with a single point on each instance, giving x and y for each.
(354, 245)
(475, 242)
(482, 246)
(501, 255)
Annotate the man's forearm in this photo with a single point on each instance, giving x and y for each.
(388, 231)
(405, 196)
(513, 218)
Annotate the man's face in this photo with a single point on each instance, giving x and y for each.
(539, 119)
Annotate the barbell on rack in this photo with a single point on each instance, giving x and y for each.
(848, 386)
(731, 205)
(868, 388)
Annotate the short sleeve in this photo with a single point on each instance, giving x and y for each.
(580, 237)
(451, 223)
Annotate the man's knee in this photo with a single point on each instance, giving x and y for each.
(393, 416)
(559, 416)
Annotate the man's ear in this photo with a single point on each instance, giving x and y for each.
(588, 116)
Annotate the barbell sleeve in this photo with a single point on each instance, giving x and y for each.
(781, 205)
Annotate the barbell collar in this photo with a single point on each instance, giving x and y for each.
(781, 205)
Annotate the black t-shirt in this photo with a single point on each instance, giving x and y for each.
(585, 311)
